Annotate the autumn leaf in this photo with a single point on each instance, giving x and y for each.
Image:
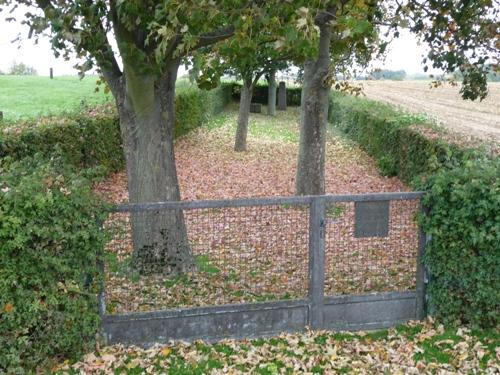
(8, 308)
(165, 351)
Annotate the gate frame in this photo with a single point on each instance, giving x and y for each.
(317, 311)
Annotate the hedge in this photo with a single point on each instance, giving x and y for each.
(92, 137)
(260, 94)
(193, 106)
(49, 239)
(85, 139)
(393, 138)
(463, 257)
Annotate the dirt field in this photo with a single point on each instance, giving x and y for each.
(479, 119)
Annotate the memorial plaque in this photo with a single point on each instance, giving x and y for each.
(371, 219)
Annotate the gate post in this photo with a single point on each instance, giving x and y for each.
(421, 275)
(316, 262)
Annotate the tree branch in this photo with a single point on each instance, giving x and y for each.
(214, 37)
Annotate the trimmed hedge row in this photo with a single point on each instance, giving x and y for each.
(49, 237)
(463, 257)
(84, 140)
(260, 94)
(392, 138)
(193, 106)
(92, 138)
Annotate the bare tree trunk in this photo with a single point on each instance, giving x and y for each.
(271, 95)
(310, 179)
(240, 143)
(147, 124)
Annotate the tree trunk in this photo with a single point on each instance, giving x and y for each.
(147, 123)
(271, 95)
(240, 143)
(310, 179)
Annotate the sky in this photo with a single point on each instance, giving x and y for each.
(404, 52)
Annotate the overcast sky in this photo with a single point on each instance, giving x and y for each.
(404, 53)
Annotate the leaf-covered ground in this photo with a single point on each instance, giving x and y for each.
(414, 348)
(209, 168)
(260, 253)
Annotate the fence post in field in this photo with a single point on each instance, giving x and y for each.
(421, 275)
(316, 262)
(282, 96)
(51, 73)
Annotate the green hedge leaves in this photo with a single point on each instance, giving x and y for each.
(260, 94)
(49, 237)
(49, 240)
(463, 197)
(463, 256)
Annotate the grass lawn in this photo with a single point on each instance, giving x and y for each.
(24, 97)
(414, 348)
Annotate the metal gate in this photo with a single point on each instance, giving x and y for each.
(342, 262)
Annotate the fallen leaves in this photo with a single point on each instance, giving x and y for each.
(209, 168)
(394, 351)
(255, 251)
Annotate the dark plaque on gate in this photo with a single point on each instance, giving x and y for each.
(372, 219)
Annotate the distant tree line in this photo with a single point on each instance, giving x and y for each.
(394, 75)
(21, 69)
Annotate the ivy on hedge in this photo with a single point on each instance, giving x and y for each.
(463, 196)
(49, 238)
(463, 257)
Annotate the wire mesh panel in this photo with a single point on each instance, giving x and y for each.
(371, 248)
(234, 255)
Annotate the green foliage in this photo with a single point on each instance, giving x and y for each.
(461, 35)
(193, 106)
(260, 94)
(49, 239)
(463, 257)
(392, 138)
(85, 139)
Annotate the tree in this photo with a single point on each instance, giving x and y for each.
(346, 35)
(460, 35)
(271, 92)
(261, 51)
(21, 69)
(153, 37)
